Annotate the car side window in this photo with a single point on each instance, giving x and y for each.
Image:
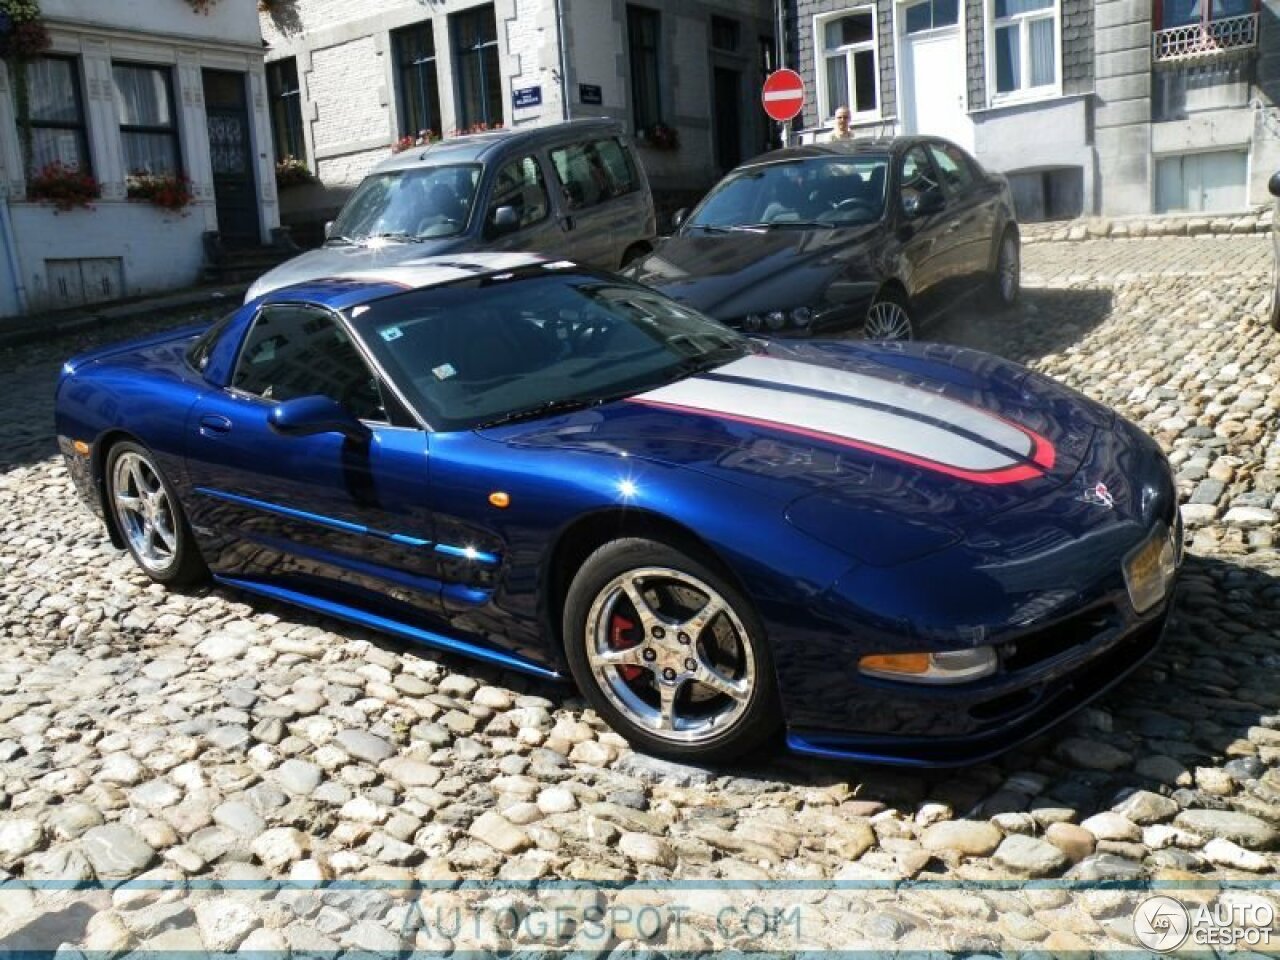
(953, 167)
(592, 173)
(520, 185)
(917, 178)
(300, 351)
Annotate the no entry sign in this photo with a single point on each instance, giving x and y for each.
(783, 95)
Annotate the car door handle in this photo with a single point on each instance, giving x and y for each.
(213, 425)
(566, 223)
(953, 226)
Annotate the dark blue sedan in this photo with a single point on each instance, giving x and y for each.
(898, 552)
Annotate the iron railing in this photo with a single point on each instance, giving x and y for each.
(1198, 41)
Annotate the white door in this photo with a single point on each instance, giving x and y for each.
(1202, 182)
(933, 79)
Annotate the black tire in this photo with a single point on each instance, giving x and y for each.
(1273, 310)
(882, 323)
(171, 564)
(1000, 295)
(749, 718)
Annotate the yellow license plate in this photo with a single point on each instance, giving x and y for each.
(1145, 564)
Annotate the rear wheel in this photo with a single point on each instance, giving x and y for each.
(149, 517)
(1274, 310)
(1005, 284)
(670, 653)
(889, 317)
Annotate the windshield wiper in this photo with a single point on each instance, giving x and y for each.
(338, 240)
(398, 237)
(710, 228)
(804, 224)
(544, 409)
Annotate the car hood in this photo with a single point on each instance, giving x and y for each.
(909, 445)
(337, 260)
(729, 275)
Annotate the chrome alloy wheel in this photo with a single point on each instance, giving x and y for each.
(145, 515)
(887, 320)
(1007, 270)
(671, 654)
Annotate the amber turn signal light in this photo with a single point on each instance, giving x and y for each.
(895, 663)
(81, 448)
(500, 499)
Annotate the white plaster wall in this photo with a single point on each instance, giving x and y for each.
(228, 21)
(160, 250)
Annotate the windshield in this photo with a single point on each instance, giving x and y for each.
(535, 341)
(412, 204)
(834, 191)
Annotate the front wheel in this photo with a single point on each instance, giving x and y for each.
(669, 653)
(889, 318)
(150, 519)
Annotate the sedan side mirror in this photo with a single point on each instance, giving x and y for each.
(328, 229)
(1273, 185)
(308, 416)
(924, 204)
(678, 219)
(505, 220)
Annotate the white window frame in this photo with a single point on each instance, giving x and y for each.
(1023, 94)
(826, 109)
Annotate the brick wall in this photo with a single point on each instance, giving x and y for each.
(344, 88)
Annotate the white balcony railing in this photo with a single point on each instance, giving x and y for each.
(1198, 41)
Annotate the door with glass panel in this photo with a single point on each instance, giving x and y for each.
(231, 154)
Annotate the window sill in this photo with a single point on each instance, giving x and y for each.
(1008, 101)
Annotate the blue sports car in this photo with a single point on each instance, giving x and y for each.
(907, 553)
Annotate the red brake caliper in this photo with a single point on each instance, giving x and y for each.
(618, 628)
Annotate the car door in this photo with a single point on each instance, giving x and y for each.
(972, 222)
(585, 214)
(321, 515)
(522, 185)
(922, 231)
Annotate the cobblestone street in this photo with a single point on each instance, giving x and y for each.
(165, 735)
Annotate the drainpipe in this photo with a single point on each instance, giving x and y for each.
(781, 6)
(11, 254)
(564, 61)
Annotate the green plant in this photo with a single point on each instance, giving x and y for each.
(63, 186)
(661, 137)
(292, 172)
(169, 191)
(423, 139)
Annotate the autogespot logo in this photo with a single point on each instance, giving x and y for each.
(1161, 924)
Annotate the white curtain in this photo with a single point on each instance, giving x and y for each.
(1043, 54)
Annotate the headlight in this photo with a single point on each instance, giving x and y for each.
(776, 319)
(950, 666)
(802, 316)
(1149, 569)
(752, 321)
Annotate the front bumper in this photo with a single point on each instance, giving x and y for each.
(1022, 708)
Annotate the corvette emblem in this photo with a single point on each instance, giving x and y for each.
(1100, 495)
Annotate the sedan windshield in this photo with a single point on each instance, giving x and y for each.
(825, 191)
(535, 341)
(412, 204)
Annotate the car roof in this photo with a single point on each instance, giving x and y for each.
(495, 145)
(354, 287)
(877, 146)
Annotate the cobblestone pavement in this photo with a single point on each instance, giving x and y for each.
(163, 735)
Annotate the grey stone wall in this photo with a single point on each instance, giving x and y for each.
(975, 43)
(803, 60)
(1077, 46)
(1122, 116)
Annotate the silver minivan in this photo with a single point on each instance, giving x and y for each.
(573, 190)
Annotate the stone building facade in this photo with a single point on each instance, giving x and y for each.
(348, 80)
(132, 88)
(1090, 106)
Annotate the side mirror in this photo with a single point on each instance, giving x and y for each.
(307, 416)
(924, 204)
(505, 220)
(678, 219)
(328, 229)
(1273, 185)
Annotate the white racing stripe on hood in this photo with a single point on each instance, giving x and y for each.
(766, 399)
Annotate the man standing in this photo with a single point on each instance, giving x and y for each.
(842, 130)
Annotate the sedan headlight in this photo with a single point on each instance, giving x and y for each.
(776, 319)
(802, 316)
(949, 666)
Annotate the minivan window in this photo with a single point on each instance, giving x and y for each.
(592, 173)
(411, 204)
(519, 185)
